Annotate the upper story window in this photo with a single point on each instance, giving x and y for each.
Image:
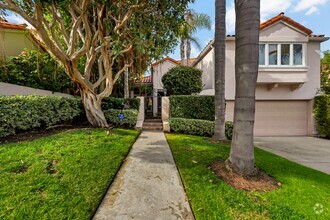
(285, 54)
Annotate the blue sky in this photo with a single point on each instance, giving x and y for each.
(314, 14)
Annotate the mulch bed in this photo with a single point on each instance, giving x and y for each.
(35, 134)
(261, 182)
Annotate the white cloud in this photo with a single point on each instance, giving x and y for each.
(194, 51)
(308, 5)
(230, 19)
(312, 10)
(16, 19)
(267, 9)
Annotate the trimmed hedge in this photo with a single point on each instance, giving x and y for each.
(130, 117)
(197, 127)
(21, 113)
(119, 103)
(322, 115)
(183, 80)
(193, 107)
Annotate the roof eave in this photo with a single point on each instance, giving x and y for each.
(318, 39)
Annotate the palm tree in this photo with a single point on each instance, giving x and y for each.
(219, 69)
(193, 22)
(241, 157)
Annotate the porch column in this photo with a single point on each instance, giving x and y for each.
(155, 103)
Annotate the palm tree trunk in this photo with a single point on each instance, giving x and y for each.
(219, 69)
(246, 72)
(182, 50)
(188, 52)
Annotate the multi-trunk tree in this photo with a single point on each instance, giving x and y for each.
(241, 157)
(88, 38)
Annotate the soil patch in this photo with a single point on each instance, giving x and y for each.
(35, 134)
(261, 182)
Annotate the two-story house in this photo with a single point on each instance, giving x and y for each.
(288, 79)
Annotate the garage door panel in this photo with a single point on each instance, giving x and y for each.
(277, 118)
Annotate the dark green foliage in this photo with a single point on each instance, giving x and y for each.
(37, 70)
(322, 115)
(183, 80)
(120, 103)
(130, 117)
(22, 113)
(197, 127)
(194, 107)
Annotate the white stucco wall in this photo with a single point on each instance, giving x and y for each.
(159, 71)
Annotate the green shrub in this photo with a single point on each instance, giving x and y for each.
(322, 115)
(130, 117)
(119, 103)
(183, 80)
(193, 107)
(21, 113)
(37, 70)
(197, 127)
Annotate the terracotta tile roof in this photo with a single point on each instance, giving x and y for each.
(166, 58)
(282, 17)
(5, 24)
(191, 61)
(146, 79)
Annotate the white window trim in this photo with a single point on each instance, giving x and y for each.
(279, 65)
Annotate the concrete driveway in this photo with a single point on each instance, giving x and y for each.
(308, 151)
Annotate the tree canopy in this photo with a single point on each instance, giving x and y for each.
(96, 35)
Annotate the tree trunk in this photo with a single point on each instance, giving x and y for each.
(188, 52)
(246, 73)
(94, 113)
(219, 69)
(182, 51)
(126, 87)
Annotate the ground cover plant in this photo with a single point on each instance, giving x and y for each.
(304, 193)
(63, 176)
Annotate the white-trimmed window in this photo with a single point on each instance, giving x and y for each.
(283, 54)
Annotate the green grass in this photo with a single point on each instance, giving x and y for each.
(211, 198)
(63, 176)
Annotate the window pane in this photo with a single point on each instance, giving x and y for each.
(285, 54)
(297, 54)
(262, 54)
(272, 54)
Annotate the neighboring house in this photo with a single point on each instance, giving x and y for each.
(159, 69)
(14, 38)
(288, 80)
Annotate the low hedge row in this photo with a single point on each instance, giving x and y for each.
(193, 107)
(322, 115)
(22, 113)
(128, 116)
(120, 103)
(197, 127)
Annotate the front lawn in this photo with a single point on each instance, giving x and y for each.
(63, 176)
(304, 194)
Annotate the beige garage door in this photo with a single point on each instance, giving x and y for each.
(278, 118)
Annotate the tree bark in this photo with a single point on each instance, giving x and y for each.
(188, 52)
(126, 87)
(246, 73)
(94, 113)
(219, 69)
(182, 50)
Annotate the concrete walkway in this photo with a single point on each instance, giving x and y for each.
(308, 151)
(148, 185)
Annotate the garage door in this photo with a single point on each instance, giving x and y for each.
(278, 118)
